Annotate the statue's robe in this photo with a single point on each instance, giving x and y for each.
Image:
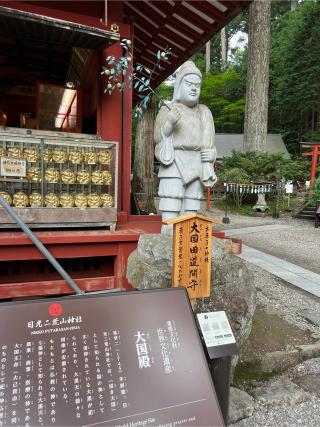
(179, 154)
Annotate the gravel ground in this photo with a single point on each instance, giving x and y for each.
(286, 301)
(305, 414)
(299, 244)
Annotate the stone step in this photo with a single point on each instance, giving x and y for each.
(310, 217)
(308, 212)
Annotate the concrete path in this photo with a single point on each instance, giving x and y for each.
(256, 229)
(291, 273)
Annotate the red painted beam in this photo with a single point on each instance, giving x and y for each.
(160, 20)
(54, 287)
(40, 9)
(154, 32)
(153, 60)
(215, 28)
(185, 13)
(209, 9)
(127, 143)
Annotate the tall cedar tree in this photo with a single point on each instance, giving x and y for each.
(295, 71)
(256, 113)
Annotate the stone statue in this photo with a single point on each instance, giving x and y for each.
(185, 146)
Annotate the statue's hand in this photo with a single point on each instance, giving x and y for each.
(208, 155)
(174, 116)
(172, 119)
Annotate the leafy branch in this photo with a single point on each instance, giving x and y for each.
(121, 75)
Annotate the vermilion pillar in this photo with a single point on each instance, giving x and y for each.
(114, 112)
(314, 153)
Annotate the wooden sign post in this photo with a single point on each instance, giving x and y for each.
(192, 244)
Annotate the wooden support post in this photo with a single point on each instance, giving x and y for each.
(314, 153)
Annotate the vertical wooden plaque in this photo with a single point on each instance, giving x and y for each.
(192, 245)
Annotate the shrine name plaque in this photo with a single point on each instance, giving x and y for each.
(126, 359)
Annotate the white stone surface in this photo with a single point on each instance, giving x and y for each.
(185, 146)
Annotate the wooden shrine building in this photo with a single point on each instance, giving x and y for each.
(65, 145)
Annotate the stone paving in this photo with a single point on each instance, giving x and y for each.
(288, 271)
(291, 273)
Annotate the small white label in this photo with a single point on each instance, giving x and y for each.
(216, 328)
(289, 188)
(13, 167)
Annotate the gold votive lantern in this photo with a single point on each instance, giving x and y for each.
(68, 176)
(83, 177)
(14, 152)
(20, 200)
(81, 200)
(106, 199)
(59, 156)
(35, 200)
(66, 200)
(51, 200)
(31, 154)
(34, 174)
(97, 177)
(91, 157)
(75, 157)
(47, 155)
(52, 175)
(6, 196)
(106, 177)
(104, 157)
(94, 200)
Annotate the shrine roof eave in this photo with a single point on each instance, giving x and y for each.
(26, 25)
(183, 26)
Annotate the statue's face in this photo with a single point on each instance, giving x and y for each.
(190, 90)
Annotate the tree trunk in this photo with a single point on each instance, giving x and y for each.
(224, 48)
(208, 57)
(294, 4)
(144, 153)
(256, 112)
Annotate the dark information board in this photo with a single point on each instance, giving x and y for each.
(124, 359)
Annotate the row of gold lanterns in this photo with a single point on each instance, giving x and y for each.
(69, 176)
(65, 200)
(57, 155)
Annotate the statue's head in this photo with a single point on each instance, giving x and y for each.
(187, 84)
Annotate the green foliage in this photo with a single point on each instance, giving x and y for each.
(314, 196)
(122, 75)
(312, 136)
(235, 175)
(261, 167)
(295, 69)
(279, 8)
(165, 91)
(294, 75)
(223, 94)
(199, 59)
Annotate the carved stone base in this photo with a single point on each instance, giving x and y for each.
(261, 205)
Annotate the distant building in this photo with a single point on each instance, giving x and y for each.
(226, 143)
